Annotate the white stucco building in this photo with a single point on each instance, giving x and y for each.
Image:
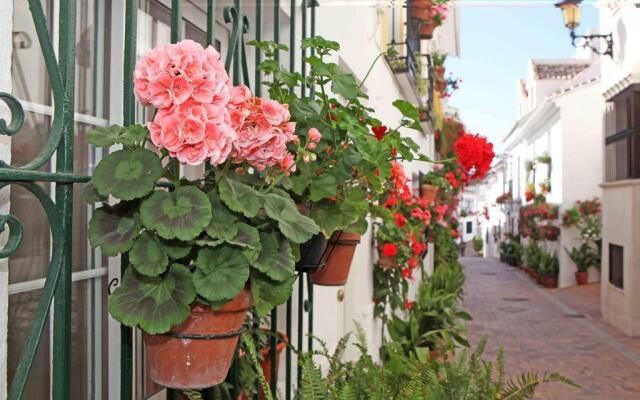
(363, 30)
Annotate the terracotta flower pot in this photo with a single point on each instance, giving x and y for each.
(341, 249)
(582, 278)
(265, 365)
(427, 27)
(539, 279)
(197, 363)
(428, 192)
(550, 282)
(421, 9)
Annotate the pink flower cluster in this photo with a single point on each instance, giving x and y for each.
(201, 116)
(167, 76)
(263, 130)
(191, 89)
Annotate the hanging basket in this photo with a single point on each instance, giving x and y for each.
(341, 249)
(428, 192)
(427, 27)
(197, 354)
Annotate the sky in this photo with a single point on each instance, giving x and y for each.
(497, 42)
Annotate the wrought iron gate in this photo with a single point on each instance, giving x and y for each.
(61, 73)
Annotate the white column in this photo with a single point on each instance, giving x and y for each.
(6, 24)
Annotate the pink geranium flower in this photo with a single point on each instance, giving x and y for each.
(171, 75)
(263, 130)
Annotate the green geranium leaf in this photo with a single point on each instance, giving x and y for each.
(223, 222)
(127, 175)
(320, 43)
(407, 109)
(221, 274)
(247, 236)
(133, 134)
(276, 259)
(305, 110)
(344, 85)
(323, 186)
(104, 136)
(210, 243)
(154, 304)
(175, 249)
(268, 293)
(113, 229)
(90, 195)
(147, 255)
(182, 214)
(239, 197)
(293, 225)
(330, 217)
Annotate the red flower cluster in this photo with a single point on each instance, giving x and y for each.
(379, 131)
(475, 154)
(389, 250)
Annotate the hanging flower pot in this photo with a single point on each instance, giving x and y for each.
(421, 9)
(428, 192)
(427, 27)
(551, 233)
(582, 278)
(265, 364)
(340, 252)
(197, 353)
(312, 254)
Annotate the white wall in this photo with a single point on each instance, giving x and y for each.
(581, 113)
(6, 13)
(356, 27)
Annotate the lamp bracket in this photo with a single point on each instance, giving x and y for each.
(587, 39)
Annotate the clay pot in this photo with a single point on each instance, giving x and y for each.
(265, 364)
(386, 262)
(550, 282)
(582, 278)
(340, 252)
(197, 363)
(539, 279)
(421, 9)
(427, 27)
(428, 192)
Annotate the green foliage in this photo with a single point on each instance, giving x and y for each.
(129, 136)
(584, 257)
(127, 175)
(114, 228)
(532, 256)
(478, 244)
(549, 265)
(148, 255)
(153, 303)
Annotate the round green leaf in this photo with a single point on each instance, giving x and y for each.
(147, 255)
(276, 259)
(223, 223)
(175, 249)
(154, 304)
(182, 214)
(293, 225)
(222, 272)
(127, 175)
(268, 293)
(113, 229)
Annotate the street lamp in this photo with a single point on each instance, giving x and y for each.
(571, 13)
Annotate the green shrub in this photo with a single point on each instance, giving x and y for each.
(478, 244)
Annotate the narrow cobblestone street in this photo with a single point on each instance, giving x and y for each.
(558, 330)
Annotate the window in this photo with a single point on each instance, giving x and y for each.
(622, 128)
(469, 227)
(616, 265)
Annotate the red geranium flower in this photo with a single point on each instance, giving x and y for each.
(379, 131)
(452, 179)
(418, 248)
(391, 202)
(408, 305)
(400, 220)
(475, 154)
(407, 273)
(455, 233)
(389, 250)
(413, 262)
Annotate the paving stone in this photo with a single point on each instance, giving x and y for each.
(544, 334)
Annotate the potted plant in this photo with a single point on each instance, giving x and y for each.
(438, 60)
(549, 268)
(430, 14)
(584, 257)
(200, 253)
(551, 232)
(347, 153)
(478, 245)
